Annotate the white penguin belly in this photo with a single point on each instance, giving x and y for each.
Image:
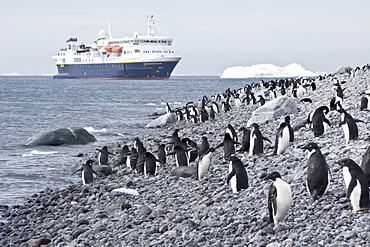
(204, 165)
(283, 200)
(283, 141)
(233, 180)
(252, 143)
(355, 196)
(83, 177)
(346, 132)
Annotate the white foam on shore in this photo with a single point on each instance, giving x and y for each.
(36, 152)
(91, 129)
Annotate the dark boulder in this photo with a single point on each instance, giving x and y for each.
(69, 136)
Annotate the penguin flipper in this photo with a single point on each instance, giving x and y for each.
(265, 138)
(219, 145)
(351, 186)
(326, 121)
(272, 202)
(358, 121)
(231, 174)
(79, 170)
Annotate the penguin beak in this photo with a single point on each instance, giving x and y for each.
(340, 163)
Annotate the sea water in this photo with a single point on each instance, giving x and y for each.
(114, 111)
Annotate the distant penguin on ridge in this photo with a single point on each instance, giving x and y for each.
(318, 173)
(357, 187)
(237, 176)
(279, 198)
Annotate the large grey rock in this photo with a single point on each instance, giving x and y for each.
(70, 136)
(274, 109)
(102, 170)
(183, 171)
(162, 120)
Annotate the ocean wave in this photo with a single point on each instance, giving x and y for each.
(91, 129)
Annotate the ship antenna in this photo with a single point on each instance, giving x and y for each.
(109, 31)
(151, 29)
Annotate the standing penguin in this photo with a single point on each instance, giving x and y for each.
(150, 164)
(230, 129)
(103, 155)
(279, 198)
(357, 187)
(318, 172)
(349, 125)
(365, 165)
(87, 172)
(245, 140)
(123, 155)
(229, 146)
(204, 146)
(193, 149)
(284, 135)
(181, 156)
(237, 177)
(132, 159)
(203, 163)
(256, 140)
(162, 153)
(318, 121)
(365, 101)
(175, 139)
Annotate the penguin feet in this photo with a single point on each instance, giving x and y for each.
(279, 228)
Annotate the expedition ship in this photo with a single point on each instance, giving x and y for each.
(137, 57)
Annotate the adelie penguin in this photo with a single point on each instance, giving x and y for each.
(237, 176)
(229, 146)
(103, 155)
(123, 155)
(150, 164)
(365, 164)
(230, 129)
(161, 153)
(279, 198)
(204, 146)
(87, 172)
(245, 140)
(318, 173)
(256, 140)
(284, 136)
(317, 120)
(349, 125)
(357, 187)
(204, 163)
(181, 156)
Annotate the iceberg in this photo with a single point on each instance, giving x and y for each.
(266, 70)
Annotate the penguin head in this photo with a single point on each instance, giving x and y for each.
(234, 158)
(273, 176)
(254, 126)
(287, 119)
(324, 109)
(346, 162)
(311, 146)
(89, 162)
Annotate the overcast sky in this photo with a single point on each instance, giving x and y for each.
(209, 35)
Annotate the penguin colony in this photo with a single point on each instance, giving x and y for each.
(238, 158)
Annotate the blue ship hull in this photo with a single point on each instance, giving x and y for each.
(160, 70)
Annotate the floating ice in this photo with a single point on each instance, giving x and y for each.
(43, 152)
(266, 70)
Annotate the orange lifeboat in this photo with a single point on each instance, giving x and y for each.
(108, 48)
(117, 49)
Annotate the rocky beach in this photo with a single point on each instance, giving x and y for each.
(169, 210)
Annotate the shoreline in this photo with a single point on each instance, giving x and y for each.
(174, 211)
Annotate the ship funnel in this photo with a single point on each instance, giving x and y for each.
(109, 31)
